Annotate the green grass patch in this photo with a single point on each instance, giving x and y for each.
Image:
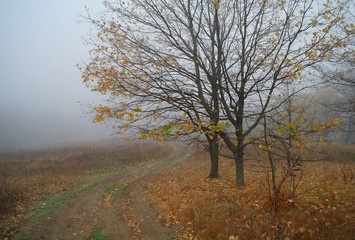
(49, 208)
(122, 190)
(97, 234)
(111, 188)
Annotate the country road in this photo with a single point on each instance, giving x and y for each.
(111, 208)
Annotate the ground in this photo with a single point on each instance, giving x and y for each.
(113, 207)
(109, 200)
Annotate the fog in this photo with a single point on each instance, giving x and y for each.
(40, 44)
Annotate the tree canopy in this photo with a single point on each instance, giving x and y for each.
(173, 68)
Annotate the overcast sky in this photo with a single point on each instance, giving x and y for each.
(40, 44)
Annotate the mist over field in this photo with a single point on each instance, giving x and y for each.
(40, 45)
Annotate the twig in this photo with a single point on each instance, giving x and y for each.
(308, 190)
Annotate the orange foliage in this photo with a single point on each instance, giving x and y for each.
(202, 208)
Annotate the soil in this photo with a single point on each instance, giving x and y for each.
(95, 214)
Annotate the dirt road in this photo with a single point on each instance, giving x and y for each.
(110, 208)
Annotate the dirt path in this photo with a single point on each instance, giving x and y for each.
(112, 208)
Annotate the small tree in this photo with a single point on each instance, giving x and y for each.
(287, 134)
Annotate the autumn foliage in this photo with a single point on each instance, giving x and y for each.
(207, 69)
(202, 208)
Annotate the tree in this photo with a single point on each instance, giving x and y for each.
(274, 42)
(342, 105)
(151, 60)
(341, 79)
(204, 67)
(339, 74)
(287, 134)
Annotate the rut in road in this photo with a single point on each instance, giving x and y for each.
(120, 213)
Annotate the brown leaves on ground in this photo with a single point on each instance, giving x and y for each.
(31, 192)
(132, 221)
(202, 208)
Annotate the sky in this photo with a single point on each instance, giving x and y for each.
(40, 86)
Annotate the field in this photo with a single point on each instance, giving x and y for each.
(42, 184)
(28, 178)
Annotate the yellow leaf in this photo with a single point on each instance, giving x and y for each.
(302, 229)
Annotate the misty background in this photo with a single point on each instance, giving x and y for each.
(40, 45)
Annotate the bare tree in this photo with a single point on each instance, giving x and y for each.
(204, 67)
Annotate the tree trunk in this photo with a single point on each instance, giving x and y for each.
(214, 157)
(239, 164)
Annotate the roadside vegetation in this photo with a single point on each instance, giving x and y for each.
(198, 207)
(29, 178)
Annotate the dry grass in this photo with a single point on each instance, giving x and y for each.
(27, 177)
(336, 151)
(201, 208)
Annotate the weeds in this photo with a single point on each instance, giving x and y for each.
(347, 173)
(202, 208)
